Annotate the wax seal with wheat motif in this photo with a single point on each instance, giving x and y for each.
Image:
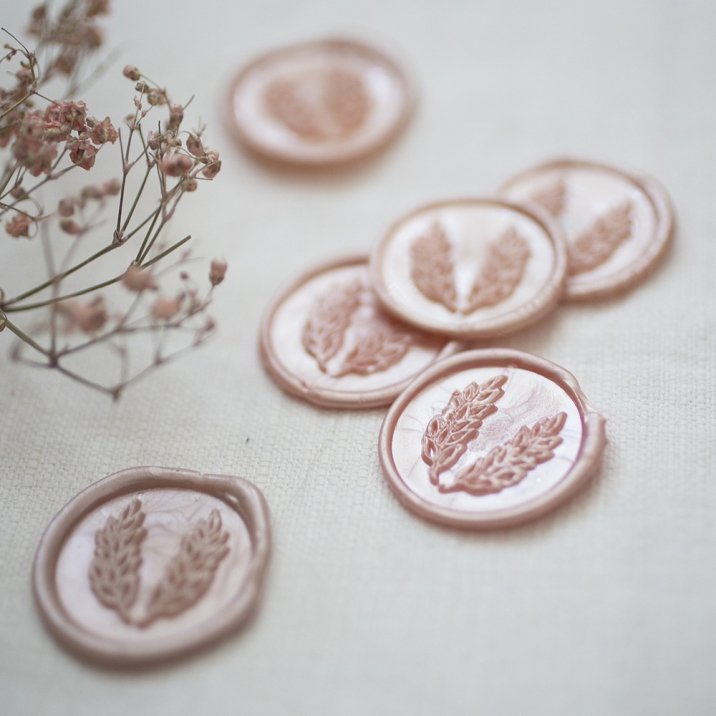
(326, 339)
(618, 224)
(490, 438)
(470, 268)
(149, 564)
(319, 103)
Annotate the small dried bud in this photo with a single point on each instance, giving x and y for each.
(190, 184)
(82, 153)
(156, 97)
(66, 207)
(70, 227)
(176, 164)
(131, 72)
(97, 7)
(111, 187)
(39, 13)
(90, 192)
(24, 76)
(194, 145)
(103, 132)
(88, 317)
(213, 166)
(154, 140)
(18, 226)
(176, 115)
(92, 37)
(18, 192)
(142, 87)
(138, 279)
(217, 272)
(164, 308)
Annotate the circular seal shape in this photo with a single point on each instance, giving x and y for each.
(319, 103)
(150, 564)
(471, 268)
(618, 225)
(490, 438)
(326, 340)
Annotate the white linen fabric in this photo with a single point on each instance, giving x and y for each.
(608, 606)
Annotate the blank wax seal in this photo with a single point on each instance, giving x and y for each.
(326, 340)
(319, 103)
(490, 438)
(149, 564)
(471, 268)
(617, 224)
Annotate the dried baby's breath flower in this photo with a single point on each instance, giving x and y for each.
(18, 226)
(138, 279)
(217, 272)
(165, 308)
(131, 72)
(50, 139)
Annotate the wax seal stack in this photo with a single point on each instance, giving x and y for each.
(474, 438)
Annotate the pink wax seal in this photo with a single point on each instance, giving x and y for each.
(618, 225)
(326, 340)
(471, 268)
(149, 564)
(490, 438)
(320, 103)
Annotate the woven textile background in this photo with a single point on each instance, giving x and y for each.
(606, 607)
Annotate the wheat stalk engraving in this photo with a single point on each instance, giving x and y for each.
(552, 197)
(114, 569)
(508, 464)
(285, 104)
(381, 346)
(346, 100)
(327, 321)
(339, 109)
(448, 433)
(595, 245)
(189, 574)
(502, 272)
(432, 268)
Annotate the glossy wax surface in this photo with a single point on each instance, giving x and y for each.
(171, 514)
(312, 333)
(284, 103)
(589, 192)
(471, 227)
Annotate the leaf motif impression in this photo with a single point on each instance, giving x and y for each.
(319, 106)
(508, 464)
(285, 104)
(381, 346)
(502, 272)
(327, 321)
(346, 100)
(448, 433)
(552, 197)
(432, 267)
(595, 245)
(114, 570)
(189, 574)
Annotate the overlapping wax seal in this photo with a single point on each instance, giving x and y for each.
(326, 340)
(320, 103)
(490, 438)
(470, 268)
(618, 224)
(150, 563)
